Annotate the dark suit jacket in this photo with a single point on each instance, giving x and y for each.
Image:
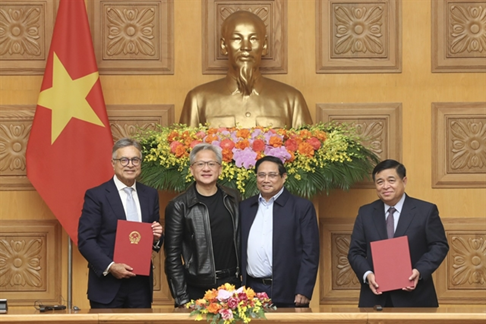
(420, 221)
(295, 245)
(97, 230)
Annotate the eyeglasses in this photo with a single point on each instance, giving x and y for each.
(271, 176)
(125, 161)
(202, 164)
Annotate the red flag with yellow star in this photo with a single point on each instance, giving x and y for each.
(69, 148)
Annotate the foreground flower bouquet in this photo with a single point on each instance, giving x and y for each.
(227, 305)
(317, 157)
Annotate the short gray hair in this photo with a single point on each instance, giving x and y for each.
(205, 146)
(124, 142)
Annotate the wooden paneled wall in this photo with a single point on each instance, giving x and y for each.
(409, 74)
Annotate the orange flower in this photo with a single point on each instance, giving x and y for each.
(210, 138)
(174, 145)
(181, 151)
(243, 133)
(243, 144)
(321, 136)
(250, 293)
(200, 302)
(306, 149)
(211, 294)
(227, 155)
(304, 133)
(292, 157)
(214, 308)
(172, 136)
(283, 132)
(275, 141)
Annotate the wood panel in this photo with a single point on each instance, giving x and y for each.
(15, 125)
(458, 36)
(29, 264)
(459, 143)
(358, 37)
(378, 124)
(133, 37)
(463, 278)
(26, 35)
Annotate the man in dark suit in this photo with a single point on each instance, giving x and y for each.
(110, 284)
(279, 239)
(418, 220)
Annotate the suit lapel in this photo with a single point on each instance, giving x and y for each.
(249, 215)
(379, 219)
(115, 201)
(406, 216)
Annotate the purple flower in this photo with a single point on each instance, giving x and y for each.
(256, 133)
(279, 152)
(244, 158)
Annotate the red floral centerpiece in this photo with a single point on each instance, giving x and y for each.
(229, 305)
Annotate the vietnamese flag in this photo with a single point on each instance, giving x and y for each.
(70, 143)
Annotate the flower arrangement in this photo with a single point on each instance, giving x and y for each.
(317, 157)
(227, 305)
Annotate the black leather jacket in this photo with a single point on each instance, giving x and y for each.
(188, 235)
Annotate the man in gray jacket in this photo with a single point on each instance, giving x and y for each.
(202, 231)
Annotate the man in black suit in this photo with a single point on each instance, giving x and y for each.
(110, 284)
(418, 220)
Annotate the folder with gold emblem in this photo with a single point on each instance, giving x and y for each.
(133, 246)
(391, 263)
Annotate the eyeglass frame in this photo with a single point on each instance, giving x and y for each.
(203, 164)
(132, 160)
(270, 175)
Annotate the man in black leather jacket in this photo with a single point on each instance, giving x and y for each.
(202, 238)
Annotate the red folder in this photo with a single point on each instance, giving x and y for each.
(391, 263)
(133, 246)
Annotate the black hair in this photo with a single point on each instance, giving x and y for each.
(390, 164)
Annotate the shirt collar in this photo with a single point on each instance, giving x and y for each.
(120, 185)
(398, 206)
(271, 200)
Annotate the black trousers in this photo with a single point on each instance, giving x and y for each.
(134, 292)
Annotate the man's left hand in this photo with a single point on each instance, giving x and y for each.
(301, 300)
(415, 278)
(157, 231)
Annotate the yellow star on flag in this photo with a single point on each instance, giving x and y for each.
(67, 99)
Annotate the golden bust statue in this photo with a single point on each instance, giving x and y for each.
(245, 98)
